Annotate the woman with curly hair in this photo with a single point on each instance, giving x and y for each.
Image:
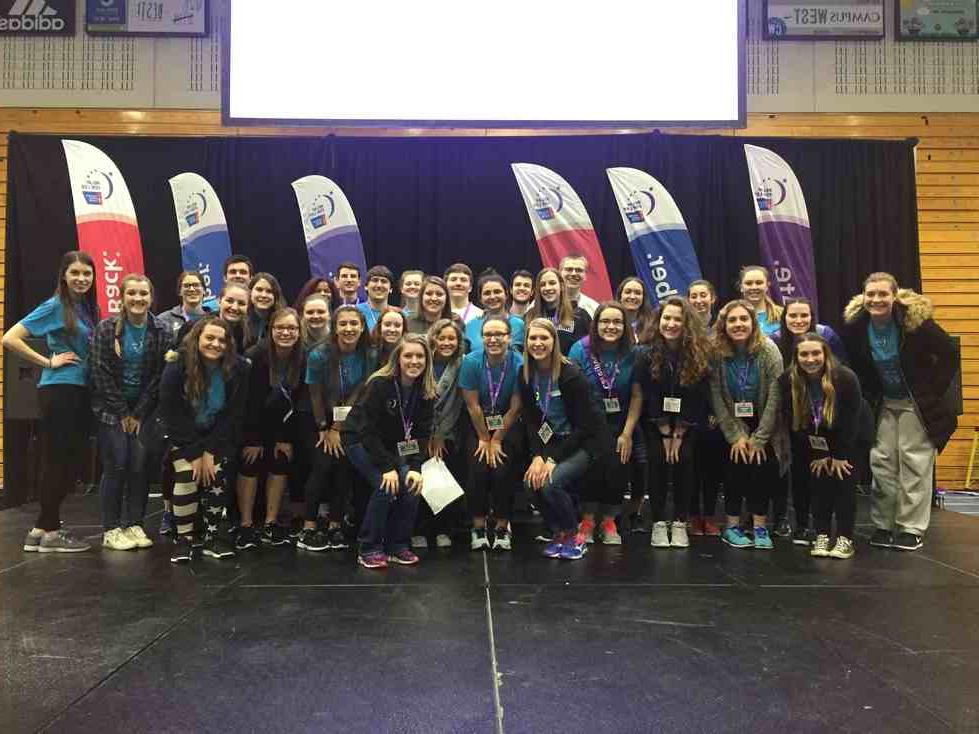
(670, 390)
(745, 400)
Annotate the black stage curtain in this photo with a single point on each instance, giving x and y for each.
(426, 202)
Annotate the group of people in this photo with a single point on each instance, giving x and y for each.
(334, 403)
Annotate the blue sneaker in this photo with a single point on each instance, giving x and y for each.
(763, 541)
(736, 538)
(554, 548)
(168, 525)
(573, 550)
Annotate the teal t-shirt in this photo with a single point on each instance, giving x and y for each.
(768, 329)
(743, 378)
(474, 333)
(372, 316)
(133, 345)
(472, 376)
(547, 395)
(885, 347)
(353, 370)
(213, 400)
(47, 320)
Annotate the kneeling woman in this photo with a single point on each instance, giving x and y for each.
(745, 398)
(565, 434)
(271, 426)
(386, 438)
(202, 401)
(821, 402)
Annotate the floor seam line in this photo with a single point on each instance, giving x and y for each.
(494, 665)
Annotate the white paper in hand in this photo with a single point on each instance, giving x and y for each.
(439, 487)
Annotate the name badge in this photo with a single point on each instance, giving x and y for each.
(545, 433)
(340, 413)
(566, 329)
(818, 443)
(612, 405)
(494, 422)
(744, 410)
(407, 448)
(671, 405)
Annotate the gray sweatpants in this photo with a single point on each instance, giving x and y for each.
(903, 462)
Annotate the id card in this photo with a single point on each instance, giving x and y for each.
(407, 448)
(566, 329)
(545, 433)
(340, 413)
(671, 405)
(612, 405)
(744, 410)
(494, 422)
(818, 443)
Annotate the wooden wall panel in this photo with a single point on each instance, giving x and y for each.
(948, 200)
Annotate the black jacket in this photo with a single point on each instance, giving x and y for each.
(375, 422)
(108, 401)
(848, 406)
(178, 415)
(927, 355)
(694, 399)
(271, 416)
(589, 430)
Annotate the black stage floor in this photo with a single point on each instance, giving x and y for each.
(629, 639)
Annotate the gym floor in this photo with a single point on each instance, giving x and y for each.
(628, 639)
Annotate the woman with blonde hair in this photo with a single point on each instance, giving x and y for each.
(754, 283)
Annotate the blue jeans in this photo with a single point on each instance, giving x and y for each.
(558, 495)
(123, 488)
(389, 519)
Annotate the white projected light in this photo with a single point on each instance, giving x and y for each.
(510, 62)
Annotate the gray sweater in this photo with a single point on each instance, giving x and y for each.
(448, 403)
(771, 430)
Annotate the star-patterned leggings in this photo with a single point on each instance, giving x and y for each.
(197, 509)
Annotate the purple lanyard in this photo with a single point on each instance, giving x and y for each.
(817, 414)
(494, 390)
(607, 383)
(406, 422)
(546, 402)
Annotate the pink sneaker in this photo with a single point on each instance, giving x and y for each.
(373, 560)
(404, 557)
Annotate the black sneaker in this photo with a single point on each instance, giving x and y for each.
(246, 538)
(274, 535)
(296, 528)
(338, 540)
(215, 547)
(313, 540)
(181, 551)
(635, 523)
(908, 542)
(803, 536)
(783, 529)
(881, 539)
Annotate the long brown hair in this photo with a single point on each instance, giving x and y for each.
(195, 380)
(309, 340)
(89, 301)
(564, 310)
(436, 329)
(294, 362)
(722, 342)
(646, 313)
(438, 283)
(801, 409)
(626, 341)
(392, 368)
(694, 349)
(278, 303)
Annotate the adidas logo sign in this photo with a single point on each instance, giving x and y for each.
(32, 15)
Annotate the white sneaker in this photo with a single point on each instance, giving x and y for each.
(443, 541)
(843, 548)
(419, 541)
(820, 547)
(501, 540)
(660, 537)
(118, 539)
(138, 536)
(478, 540)
(678, 535)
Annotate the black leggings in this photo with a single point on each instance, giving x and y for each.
(753, 483)
(684, 475)
(607, 478)
(497, 485)
(833, 496)
(802, 480)
(66, 421)
(450, 519)
(711, 452)
(330, 480)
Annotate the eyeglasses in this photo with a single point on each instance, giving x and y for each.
(192, 286)
(493, 335)
(286, 329)
(574, 270)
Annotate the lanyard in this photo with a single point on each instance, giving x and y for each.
(816, 411)
(607, 383)
(494, 390)
(743, 376)
(544, 403)
(402, 404)
(465, 314)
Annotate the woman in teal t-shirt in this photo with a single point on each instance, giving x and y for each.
(65, 321)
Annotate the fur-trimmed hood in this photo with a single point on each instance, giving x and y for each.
(916, 309)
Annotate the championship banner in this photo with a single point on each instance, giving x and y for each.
(105, 219)
(784, 237)
(662, 250)
(204, 240)
(561, 225)
(331, 231)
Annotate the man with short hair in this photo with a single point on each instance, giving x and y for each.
(574, 271)
(521, 292)
(347, 281)
(237, 269)
(379, 280)
(459, 281)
